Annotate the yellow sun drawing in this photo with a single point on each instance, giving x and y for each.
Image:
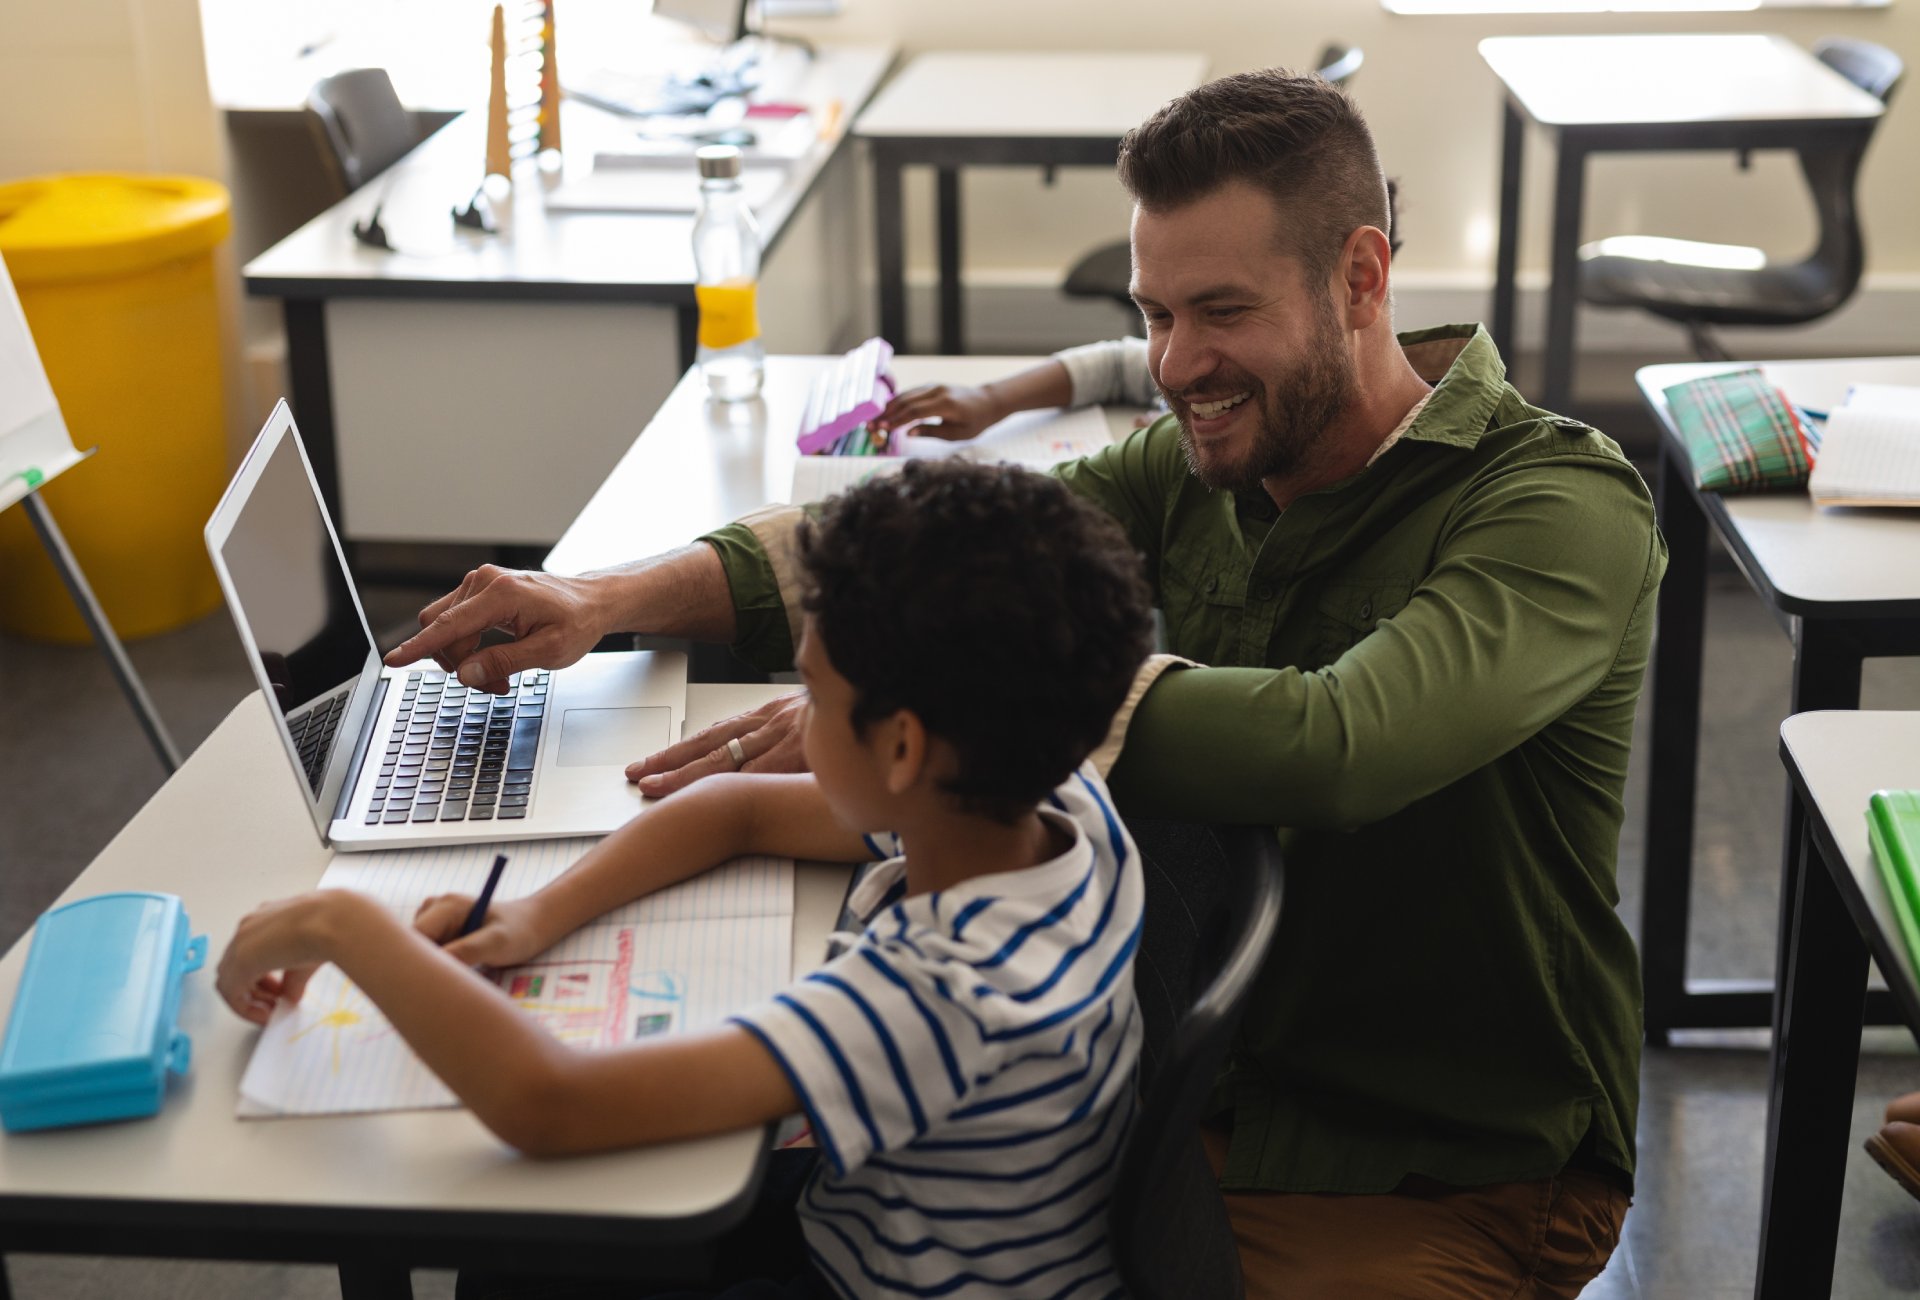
(339, 1020)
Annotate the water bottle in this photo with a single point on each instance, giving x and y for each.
(726, 259)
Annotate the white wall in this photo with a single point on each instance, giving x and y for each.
(114, 85)
(1435, 110)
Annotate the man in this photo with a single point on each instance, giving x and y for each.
(1428, 605)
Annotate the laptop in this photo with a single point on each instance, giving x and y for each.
(391, 757)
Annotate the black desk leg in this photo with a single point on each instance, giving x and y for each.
(1674, 748)
(1816, 1056)
(363, 1280)
(6, 1287)
(686, 333)
(1513, 137)
(1563, 290)
(952, 328)
(307, 366)
(889, 237)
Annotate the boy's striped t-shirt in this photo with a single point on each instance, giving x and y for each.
(968, 1069)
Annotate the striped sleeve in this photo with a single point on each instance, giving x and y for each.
(878, 1047)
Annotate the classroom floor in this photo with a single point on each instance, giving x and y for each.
(74, 767)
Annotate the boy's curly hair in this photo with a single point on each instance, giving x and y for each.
(1006, 613)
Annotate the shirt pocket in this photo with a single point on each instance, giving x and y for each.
(1351, 608)
(1201, 603)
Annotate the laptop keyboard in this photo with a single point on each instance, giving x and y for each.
(313, 731)
(456, 754)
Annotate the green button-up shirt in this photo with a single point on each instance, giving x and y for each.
(1426, 676)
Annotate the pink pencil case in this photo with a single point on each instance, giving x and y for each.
(854, 390)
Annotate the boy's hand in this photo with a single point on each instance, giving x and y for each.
(509, 935)
(962, 410)
(278, 946)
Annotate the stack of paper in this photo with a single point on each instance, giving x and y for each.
(1035, 439)
(1870, 452)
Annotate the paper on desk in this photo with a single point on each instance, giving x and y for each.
(617, 189)
(1035, 439)
(683, 958)
(1869, 456)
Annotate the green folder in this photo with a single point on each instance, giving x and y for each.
(1893, 825)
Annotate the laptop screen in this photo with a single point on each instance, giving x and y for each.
(291, 590)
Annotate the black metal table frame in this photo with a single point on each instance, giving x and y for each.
(1826, 936)
(373, 1248)
(1575, 145)
(1830, 642)
(948, 156)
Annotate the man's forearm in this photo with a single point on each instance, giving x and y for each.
(683, 593)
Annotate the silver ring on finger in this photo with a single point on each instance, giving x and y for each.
(738, 754)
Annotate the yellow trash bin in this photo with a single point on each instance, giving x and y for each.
(115, 274)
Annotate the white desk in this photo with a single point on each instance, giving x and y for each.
(477, 388)
(1840, 918)
(700, 464)
(1843, 584)
(956, 109)
(1610, 94)
(374, 1193)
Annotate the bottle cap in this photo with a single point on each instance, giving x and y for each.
(718, 161)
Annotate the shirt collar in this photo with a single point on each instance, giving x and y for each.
(1468, 378)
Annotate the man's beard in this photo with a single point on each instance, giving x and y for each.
(1291, 416)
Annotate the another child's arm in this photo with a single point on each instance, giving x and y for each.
(706, 824)
(532, 1091)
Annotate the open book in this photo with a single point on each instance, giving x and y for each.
(1035, 439)
(1869, 454)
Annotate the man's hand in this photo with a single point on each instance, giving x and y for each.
(553, 620)
(511, 934)
(278, 946)
(962, 410)
(770, 738)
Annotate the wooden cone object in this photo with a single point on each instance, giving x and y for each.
(549, 80)
(499, 154)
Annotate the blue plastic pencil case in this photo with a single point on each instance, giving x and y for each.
(95, 1026)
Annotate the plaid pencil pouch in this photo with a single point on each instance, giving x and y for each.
(1740, 433)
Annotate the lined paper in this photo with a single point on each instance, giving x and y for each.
(1869, 456)
(679, 959)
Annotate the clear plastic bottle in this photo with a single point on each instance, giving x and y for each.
(726, 258)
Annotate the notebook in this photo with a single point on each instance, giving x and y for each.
(1869, 452)
(386, 756)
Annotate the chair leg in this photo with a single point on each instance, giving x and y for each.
(1705, 345)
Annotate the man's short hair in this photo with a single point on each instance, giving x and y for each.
(1006, 613)
(1298, 138)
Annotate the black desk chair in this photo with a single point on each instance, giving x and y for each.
(360, 126)
(1700, 286)
(1212, 907)
(1107, 270)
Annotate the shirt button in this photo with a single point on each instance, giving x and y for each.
(1266, 593)
(1213, 585)
(1366, 610)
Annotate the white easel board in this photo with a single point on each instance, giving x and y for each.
(34, 444)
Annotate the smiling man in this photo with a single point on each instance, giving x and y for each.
(1425, 609)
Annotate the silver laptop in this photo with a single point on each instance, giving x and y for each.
(397, 756)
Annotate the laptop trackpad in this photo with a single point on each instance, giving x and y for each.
(608, 737)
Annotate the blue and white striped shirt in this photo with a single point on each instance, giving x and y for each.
(968, 1071)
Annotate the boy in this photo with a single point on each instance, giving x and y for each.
(967, 1067)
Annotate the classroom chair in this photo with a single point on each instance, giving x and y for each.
(360, 126)
(1106, 271)
(1212, 907)
(1700, 286)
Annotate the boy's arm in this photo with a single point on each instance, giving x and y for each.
(533, 1092)
(716, 819)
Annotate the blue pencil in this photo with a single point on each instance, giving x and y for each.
(478, 916)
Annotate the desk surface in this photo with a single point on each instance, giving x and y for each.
(954, 94)
(348, 1174)
(604, 256)
(1809, 561)
(1576, 81)
(1838, 759)
(700, 464)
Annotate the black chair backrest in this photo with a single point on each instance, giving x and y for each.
(1874, 68)
(1212, 906)
(1338, 63)
(360, 125)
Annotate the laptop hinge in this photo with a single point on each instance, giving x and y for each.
(352, 781)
